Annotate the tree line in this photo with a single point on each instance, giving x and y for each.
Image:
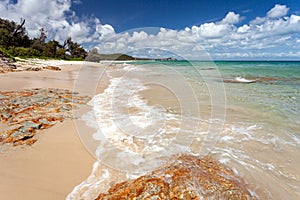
(15, 41)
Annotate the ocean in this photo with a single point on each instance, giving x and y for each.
(243, 113)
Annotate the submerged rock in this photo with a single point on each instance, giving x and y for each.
(28, 111)
(189, 177)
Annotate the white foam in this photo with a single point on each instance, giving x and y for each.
(132, 68)
(93, 185)
(243, 80)
(296, 139)
(90, 119)
(123, 117)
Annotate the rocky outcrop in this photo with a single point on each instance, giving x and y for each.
(28, 111)
(8, 65)
(188, 177)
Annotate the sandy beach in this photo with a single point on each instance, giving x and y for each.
(58, 161)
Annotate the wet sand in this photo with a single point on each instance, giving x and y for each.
(58, 161)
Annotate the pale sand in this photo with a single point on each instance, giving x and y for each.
(58, 161)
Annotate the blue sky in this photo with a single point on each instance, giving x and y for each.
(174, 14)
(221, 29)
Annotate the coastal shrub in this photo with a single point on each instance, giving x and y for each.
(4, 53)
(18, 51)
(15, 41)
(60, 53)
(34, 53)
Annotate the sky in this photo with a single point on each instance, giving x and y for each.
(217, 29)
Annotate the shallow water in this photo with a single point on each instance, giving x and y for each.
(152, 110)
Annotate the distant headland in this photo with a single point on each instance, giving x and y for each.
(94, 56)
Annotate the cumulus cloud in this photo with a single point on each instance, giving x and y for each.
(258, 20)
(218, 29)
(231, 18)
(278, 11)
(56, 17)
(264, 36)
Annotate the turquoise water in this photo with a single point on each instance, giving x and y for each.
(277, 83)
(260, 136)
(244, 114)
(277, 87)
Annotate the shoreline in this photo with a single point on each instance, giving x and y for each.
(242, 133)
(58, 161)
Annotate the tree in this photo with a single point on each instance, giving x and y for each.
(43, 36)
(50, 48)
(74, 49)
(12, 34)
(14, 40)
(38, 43)
(61, 53)
(4, 36)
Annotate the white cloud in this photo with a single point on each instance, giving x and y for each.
(56, 17)
(278, 11)
(218, 29)
(258, 20)
(262, 37)
(243, 29)
(77, 1)
(231, 18)
(138, 36)
(271, 35)
(211, 30)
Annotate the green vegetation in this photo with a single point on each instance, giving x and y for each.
(14, 41)
(4, 53)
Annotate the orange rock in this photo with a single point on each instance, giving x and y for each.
(29, 141)
(189, 177)
(52, 68)
(28, 111)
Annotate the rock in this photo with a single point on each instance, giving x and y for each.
(28, 141)
(9, 65)
(189, 177)
(29, 124)
(28, 111)
(12, 66)
(52, 68)
(21, 136)
(3, 97)
(6, 64)
(5, 116)
(33, 69)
